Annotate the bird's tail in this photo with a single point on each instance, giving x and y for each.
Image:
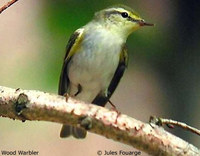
(68, 130)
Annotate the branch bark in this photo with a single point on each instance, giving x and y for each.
(170, 123)
(36, 105)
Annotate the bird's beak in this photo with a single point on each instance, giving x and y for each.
(143, 23)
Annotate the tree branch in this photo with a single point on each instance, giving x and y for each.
(36, 105)
(11, 2)
(161, 121)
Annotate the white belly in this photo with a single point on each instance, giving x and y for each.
(94, 65)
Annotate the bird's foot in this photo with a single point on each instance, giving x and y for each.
(66, 95)
(114, 108)
(86, 122)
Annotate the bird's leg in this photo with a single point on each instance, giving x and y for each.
(114, 108)
(66, 95)
(107, 94)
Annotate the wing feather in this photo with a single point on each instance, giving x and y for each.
(71, 49)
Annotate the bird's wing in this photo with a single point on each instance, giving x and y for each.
(71, 49)
(102, 99)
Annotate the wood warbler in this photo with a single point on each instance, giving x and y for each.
(96, 58)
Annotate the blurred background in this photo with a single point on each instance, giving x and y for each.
(163, 77)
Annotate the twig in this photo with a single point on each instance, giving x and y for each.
(11, 2)
(36, 105)
(169, 123)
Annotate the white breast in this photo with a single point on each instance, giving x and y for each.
(94, 65)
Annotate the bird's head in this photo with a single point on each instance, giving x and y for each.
(120, 19)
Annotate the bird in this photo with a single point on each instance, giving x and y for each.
(96, 58)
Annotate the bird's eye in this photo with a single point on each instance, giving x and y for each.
(124, 14)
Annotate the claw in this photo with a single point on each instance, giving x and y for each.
(114, 108)
(66, 95)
